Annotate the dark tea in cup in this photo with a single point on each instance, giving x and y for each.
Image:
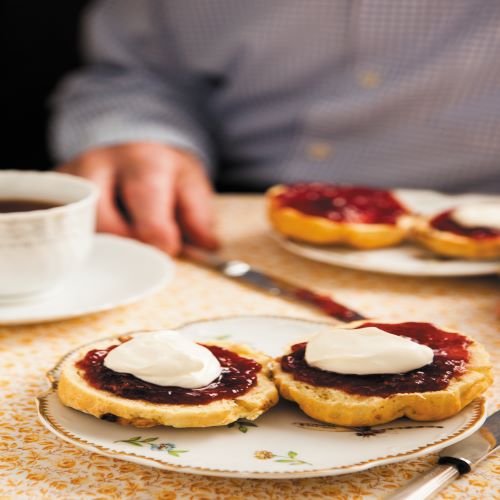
(16, 205)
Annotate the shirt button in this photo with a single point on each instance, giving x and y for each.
(369, 79)
(319, 150)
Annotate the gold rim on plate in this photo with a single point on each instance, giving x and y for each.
(50, 422)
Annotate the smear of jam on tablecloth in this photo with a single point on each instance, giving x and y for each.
(353, 204)
(450, 359)
(238, 376)
(328, 305)
(445, 222)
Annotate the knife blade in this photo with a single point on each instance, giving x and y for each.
(455, 460)
(244, 273)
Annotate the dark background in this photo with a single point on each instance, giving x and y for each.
(39, 40)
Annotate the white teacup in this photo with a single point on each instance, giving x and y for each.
(39, 248)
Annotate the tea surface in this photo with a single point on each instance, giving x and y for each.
(19, 205)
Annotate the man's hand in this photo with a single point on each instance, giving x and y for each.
(149, 191)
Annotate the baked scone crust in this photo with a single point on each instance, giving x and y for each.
(337, 407)
(454, 245)
(74, 391)
(321, 231)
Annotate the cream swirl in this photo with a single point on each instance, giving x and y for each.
(165, 358)
(485, 214)
(365, 351)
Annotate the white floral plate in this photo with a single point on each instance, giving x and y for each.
(118, 272)
(409, 260)
(281, 444)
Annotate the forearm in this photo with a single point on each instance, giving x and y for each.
(101, 108)
(133, 88)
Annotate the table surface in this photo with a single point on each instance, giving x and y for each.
(36, 464)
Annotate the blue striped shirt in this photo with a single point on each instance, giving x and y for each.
(377, 92)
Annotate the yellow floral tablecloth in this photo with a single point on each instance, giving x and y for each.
(36, 464)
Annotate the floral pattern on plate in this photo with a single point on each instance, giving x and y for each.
(267, 453)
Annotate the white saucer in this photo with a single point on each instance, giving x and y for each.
(119, 271)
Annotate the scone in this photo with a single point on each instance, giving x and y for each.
(243, 390)
(459, 372)
(445, 234)
(325, 214)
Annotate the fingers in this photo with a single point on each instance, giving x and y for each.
(196, 212)
(155, 184)
(148, 192)
(101, 171)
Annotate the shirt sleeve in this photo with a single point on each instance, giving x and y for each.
(133, 87)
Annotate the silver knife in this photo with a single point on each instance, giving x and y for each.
(454, 461)
(242, 272)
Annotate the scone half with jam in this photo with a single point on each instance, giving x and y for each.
(470, 231)
(328, 214)
(163, 378)
(368, 373)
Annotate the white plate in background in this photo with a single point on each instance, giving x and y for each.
(407, 259)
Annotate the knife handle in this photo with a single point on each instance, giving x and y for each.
(427, 485)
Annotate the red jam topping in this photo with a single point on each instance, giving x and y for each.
(450, 358)
(445, 222)
(238, 376)
(360, 205)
